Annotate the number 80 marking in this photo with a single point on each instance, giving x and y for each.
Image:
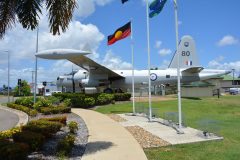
(185, 53)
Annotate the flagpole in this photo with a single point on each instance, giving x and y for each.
(149, 80)
(178, 72)
(133, 81)
(35, 84)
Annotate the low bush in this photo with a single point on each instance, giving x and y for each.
(73, 127)
(29, 111)
(25, 101)
(53, 100)
(42, 103)
(55, 110)
(122, 96)
(12, 151)
(89, 101)
(104, 98)
(9, 133)
(65, 145)
(47, 128)
(62, 119)
(34, 140)
(67, 102)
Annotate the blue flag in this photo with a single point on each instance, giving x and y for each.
(156, 7)
(123, 1)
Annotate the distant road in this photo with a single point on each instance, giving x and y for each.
(7, 120)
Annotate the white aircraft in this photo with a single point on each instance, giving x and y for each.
(95, 75)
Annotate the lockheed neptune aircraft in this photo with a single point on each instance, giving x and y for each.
(95, 75)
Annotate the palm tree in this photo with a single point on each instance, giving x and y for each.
(27, 12)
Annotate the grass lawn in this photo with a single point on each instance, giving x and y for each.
(225, 111)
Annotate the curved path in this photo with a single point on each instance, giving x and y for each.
(7, 119)
(10, 118)
(108, 140)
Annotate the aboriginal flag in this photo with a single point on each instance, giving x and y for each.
(120, 33)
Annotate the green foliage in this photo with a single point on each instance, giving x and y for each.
(67, 102)
(53, 100)
(54, 110)
(105, 98)
(64, 146)
(34, 140)
(30, 112)
(42, 103)
(89, 101)
(47, 128)
(12, 151)
(25, 89)
(73, 127)
(61, 119)
(9, 133)
(122, 96)
(84, 101)
(25, 101)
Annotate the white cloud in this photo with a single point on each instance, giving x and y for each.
(165, 63)
(158, 44)
(227, 40)
(164, 52)
(218, 64)
(114, 62)
(87, 7)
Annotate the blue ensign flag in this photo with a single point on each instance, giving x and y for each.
(123, 1)
(156, 7)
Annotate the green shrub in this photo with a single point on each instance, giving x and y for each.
(53, 100)
(47, 128)
(30, 112)
(67, 102)
(62, 119)
(122, 96)
(55, 110)
(42, 103)
(73, 127)
(12, 151)
(89, 101)
(104, 98)
(34, 140)
(25, 101)
(65, 145)
(9, 133)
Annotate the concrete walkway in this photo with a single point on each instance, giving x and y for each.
(108, 140)
(167, 133)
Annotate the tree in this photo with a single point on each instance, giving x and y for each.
(25, 89)
(27, 12)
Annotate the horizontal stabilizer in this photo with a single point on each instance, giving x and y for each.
(193, 70)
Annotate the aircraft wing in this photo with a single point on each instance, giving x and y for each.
(93, 67)
(79, 58)
(193, 70)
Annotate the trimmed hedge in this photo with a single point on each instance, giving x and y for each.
(84, 101)
(62, 119)
(122, 96)
(47, 128)
(54, 110)
(34, 140)
(25, 101)
(11, 151)
(29, 111)
(9, 133)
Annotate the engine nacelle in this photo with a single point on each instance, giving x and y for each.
(89, 83)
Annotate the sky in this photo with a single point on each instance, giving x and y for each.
(214, 25)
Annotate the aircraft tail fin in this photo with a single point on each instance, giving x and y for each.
(188, 56)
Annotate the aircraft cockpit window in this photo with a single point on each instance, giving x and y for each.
(167, 76)
(58, 78)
